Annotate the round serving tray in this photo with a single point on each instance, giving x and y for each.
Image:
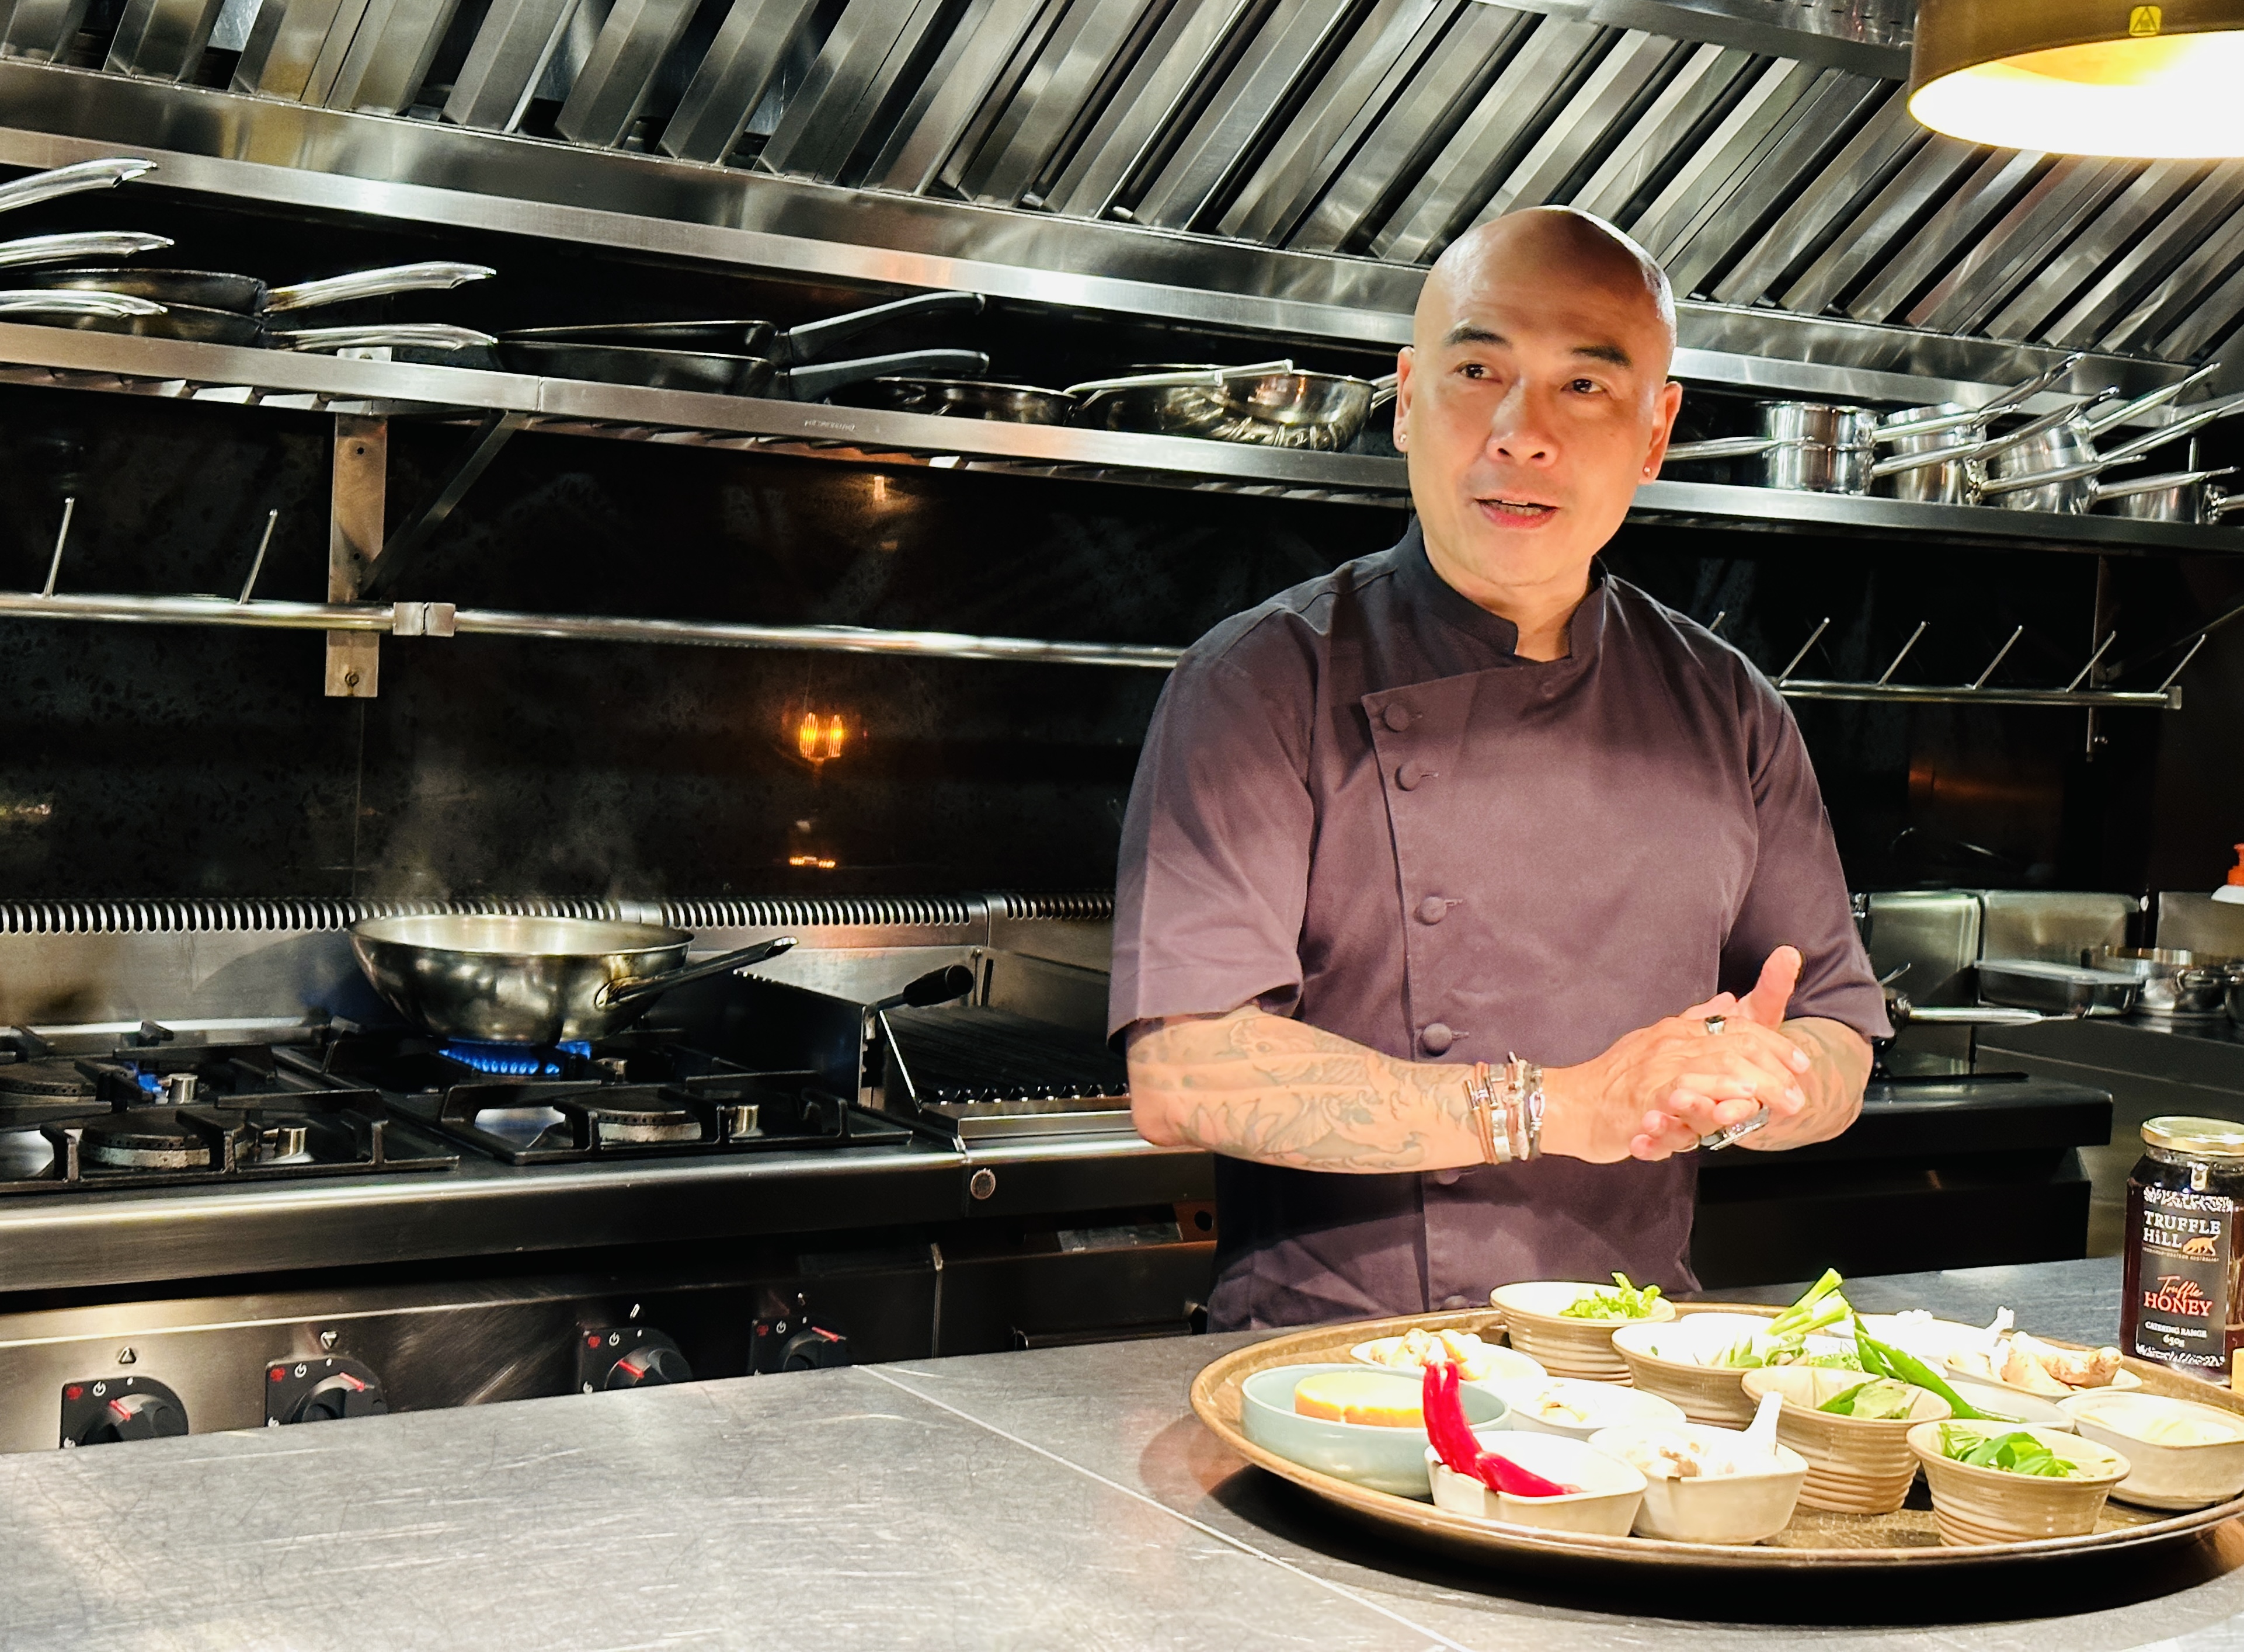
(1813, 1540)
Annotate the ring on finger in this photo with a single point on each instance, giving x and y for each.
(1715, 1024)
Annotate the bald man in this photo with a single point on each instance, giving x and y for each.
(1466, 892)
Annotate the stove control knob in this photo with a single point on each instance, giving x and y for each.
(653, 1366)
(341, 1395)
(104, 1412)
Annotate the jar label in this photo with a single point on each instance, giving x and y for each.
(2181, 1279)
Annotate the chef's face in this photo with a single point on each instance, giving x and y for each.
(1534, 397)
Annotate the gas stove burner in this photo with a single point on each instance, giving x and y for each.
(49, 1075)
(516, 1060)
(144, 1141)
(642, 1123)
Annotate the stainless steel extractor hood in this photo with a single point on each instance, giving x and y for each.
(1311, 156)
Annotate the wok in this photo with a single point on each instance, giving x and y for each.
(963, 399)
(246, 295)
(718, 375)
(530, 981)
(766, 341)
(1265, 403)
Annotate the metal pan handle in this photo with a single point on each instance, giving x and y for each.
(71, 180)
(64, 302)
(1385, 388)
(1211, 377)
(66, 249)
(424, 336)
(632, 989)
(2160, 482)
(1720, 447)
(376, 284)
(804, 343)
(2180, 427)
(2046, 478)
(817, 384)
(2115, 416)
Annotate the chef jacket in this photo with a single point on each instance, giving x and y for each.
(1357, 805)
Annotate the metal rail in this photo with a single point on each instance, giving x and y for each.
(441, 619)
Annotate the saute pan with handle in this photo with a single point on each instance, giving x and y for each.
(718, 375)
(531, 980)
(755, 340)
(245, 295)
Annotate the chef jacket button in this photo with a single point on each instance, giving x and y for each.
(1453, 1303)
(1435, 1037)
(1397, 717)
(1433, 909)
(1448, 1179)
(1410, 775)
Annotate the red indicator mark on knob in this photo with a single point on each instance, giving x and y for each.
(76, 1390)
(275, 1374)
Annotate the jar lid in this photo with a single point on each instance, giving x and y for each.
(2210, 1138)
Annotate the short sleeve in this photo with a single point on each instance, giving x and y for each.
(1214, 866)
(1798, 895)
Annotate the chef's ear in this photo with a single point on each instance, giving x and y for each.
(1406, 360)
(1670, 404)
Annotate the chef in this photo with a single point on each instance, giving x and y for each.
(1464, 892)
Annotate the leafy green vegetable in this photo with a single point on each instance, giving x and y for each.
(1898, 1363)
(2014, 1454)
(1880, 1399)
(1624, 1302)
(1820, 1304)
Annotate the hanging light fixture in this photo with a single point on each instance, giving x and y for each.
(2083, 76)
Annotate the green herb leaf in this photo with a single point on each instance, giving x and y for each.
(1880, 1399)
(1900, 1363)
(1624, 1301)
(2014, 1454)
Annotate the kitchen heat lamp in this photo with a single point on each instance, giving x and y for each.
(2083, 76)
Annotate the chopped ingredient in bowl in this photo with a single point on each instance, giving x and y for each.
(1785, 1341)
(1881, 1399)
(1624, 1301)
(1415, 1349)
(1460, 1451)
(2041, 1368)
(2018, 1453)
(2161, 1428)
(1551, 1406)
(1666, 1456)
(1357, 1396)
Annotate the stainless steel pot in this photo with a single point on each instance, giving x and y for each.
(1817, 447)
(2183, 495)
(2065, 458)
(530, 981)
(1265, 403)
(2172, 982)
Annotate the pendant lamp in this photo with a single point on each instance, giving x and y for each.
(2083, 76)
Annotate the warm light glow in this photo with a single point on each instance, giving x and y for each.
(810, 860)
(806, 737)
(2164, 95)
(833, 736)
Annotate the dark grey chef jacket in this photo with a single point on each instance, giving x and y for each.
(1359, 806)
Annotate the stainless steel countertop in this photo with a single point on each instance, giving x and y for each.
(68, 1240)
(1061, 1498)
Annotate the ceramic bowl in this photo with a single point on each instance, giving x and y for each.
(1606, 1506)
(1712, 1508)
(1385, 1459)
(1567, 1347)
(1855, 1465)
(2123, 1381)
(1665, 1359)
(1603, 1405)
(1503, 1364)
(1933, 1341)
(2163, 1475)
(1993, 1505)
(2013, 1404)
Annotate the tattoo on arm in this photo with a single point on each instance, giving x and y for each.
(1261, 1086)
(1833, 1084)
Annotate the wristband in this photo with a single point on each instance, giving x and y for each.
(1495, 1134)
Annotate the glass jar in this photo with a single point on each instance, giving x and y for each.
(2183, 1302)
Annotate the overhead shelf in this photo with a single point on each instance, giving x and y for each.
(64, 358)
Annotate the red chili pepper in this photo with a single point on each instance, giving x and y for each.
(1444, 1406)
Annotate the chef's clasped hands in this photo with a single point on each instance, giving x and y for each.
(1655, 1092)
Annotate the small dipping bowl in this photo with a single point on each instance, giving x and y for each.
(2164, 1474)
(1712, 1508)
(1606, 1506)
(1972, 1505)
(1603, 1406)
(1532, 1314)
(1855, 1465)
(1369, 1454)
(1505, 1365)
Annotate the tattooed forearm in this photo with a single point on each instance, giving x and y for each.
(1261, 1087)
(1833, 1084)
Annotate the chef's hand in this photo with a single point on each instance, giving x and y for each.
(1656, 1090)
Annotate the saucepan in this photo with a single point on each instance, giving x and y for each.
(2173, 982)
(1820, 447)
(2186, 495)
(530, 981)
(1265, 403)
(2066, 459)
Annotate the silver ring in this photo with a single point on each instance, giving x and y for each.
(1716, 1023)
(1722, 1138)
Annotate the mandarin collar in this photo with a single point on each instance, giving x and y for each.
(1451, 607)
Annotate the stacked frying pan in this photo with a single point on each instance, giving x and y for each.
(54, 279)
